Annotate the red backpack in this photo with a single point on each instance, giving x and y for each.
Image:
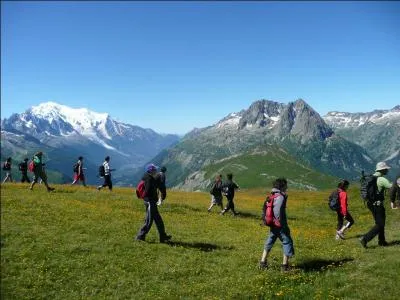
(268, 212)
(31, 166)
(141, 190)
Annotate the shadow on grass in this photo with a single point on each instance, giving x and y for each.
(205, 247)
(317, 265)
(390, 244)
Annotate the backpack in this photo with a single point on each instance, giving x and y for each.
(268, 212)
(140, 190)
(225, 191)
(368, 188)
(6, 166)
(31, 166)
(102, 171)
(76, 168)
(333, 200)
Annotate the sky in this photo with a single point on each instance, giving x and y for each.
(175, 66)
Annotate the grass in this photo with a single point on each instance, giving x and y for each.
(77, 243)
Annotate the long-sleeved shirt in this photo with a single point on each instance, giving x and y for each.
(382, 184)
(151, 186)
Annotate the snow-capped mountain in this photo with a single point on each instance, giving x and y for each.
(79, 131)
(266, 126)
(377, 131)
(381, 117)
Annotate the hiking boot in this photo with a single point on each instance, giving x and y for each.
(165, 238)
(337, 237)
(235, 213)
(263, 265)
(222, 212)
(340, 234)
(50, 189)
(383, 244)
(285, 268)
(363, 242)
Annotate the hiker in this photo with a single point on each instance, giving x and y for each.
(342, 212)
(7, 168)
(162, 178)
(78, 171)
(279, 187)
(216, 193)
(152, 185)
(39, 172)
(107, 174)
(228, 189)
(395, 193)
(23, 167)
(377, 209)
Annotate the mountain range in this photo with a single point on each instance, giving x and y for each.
(64, 134)
(266, 140)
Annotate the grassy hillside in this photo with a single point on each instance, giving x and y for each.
(77, 243)
(259, 170)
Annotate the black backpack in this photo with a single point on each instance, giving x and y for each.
(102, 171)
(333, 200)
(76, 168)
(368, 188)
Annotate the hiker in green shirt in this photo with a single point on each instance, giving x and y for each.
(39, 172)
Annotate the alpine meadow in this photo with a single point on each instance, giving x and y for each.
(78, 243)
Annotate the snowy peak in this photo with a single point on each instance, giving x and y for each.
(350, 120)
(81, 119)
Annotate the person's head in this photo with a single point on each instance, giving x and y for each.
(26, 159)
(163, 169)
(218, 177)
(382, 168)
(40, 153)
(80, 158)
(280, 184)
(107, 159)
(151, 169)
(343, 184)
(229, 176)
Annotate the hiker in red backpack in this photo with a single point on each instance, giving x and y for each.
(78, 171)
(7, 168)
(281, 228)
(152, 184)
(39, 172)
(342, 212)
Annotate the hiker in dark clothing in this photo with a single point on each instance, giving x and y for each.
(107, 175)
(377, 209)
(216, 193)
(39, 171)
(152, 184)
(162, 178)
(282, 232)
(228, 189)
(343, 212)
(395, 193)
(78, 171)
(23, 167)
(7, 168)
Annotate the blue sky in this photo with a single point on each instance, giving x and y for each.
(173, 66)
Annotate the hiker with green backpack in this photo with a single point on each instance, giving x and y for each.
(375, 195)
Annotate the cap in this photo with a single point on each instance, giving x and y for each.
(381, 166)
(151, 168)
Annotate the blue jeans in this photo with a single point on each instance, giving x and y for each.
(284, 235)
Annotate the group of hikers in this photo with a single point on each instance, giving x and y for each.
(274, 207)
